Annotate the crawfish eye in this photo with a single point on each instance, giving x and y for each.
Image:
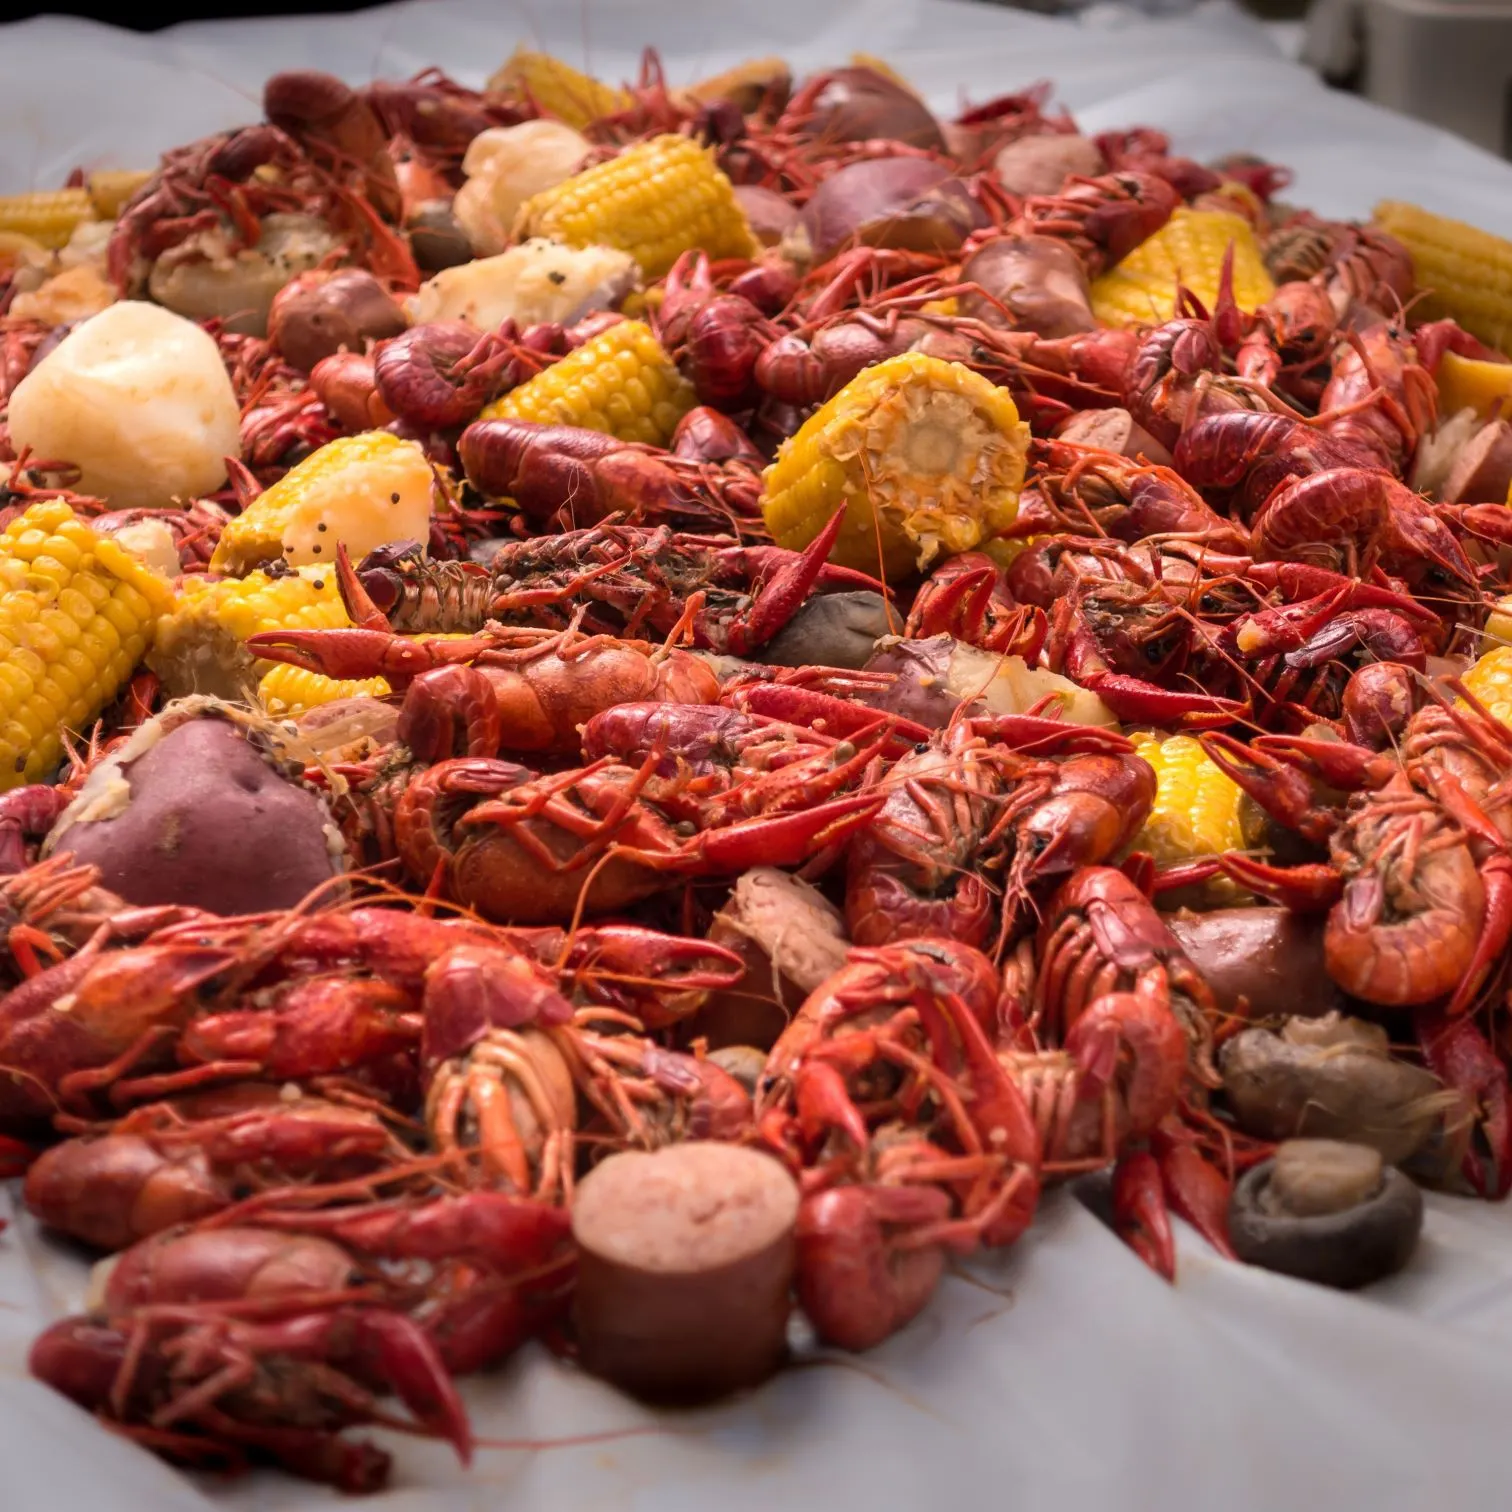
(1155, 651)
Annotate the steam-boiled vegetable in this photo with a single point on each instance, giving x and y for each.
(1326, 1212)
(934, 677)
(1331, 1078)
(196, 809)
(537, 281)
(139, 400)
(791, 937)
(831, 630)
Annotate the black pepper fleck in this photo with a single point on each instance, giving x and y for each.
(322, 526)
(557, 277)
(21, 763)
(319, 582)
(393, 498)
(315, 549)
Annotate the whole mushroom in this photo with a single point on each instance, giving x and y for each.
(1328, 1212)
(1331, 1078)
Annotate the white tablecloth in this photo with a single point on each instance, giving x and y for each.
(1064, 1375)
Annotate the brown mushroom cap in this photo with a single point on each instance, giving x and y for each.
(1348, 1247)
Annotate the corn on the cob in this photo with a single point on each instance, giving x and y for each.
(201, 640)
(1490, 680)
(622, 383)
(46, 216)
(925, 456)
(558, 88)
(286, 691)
(1197, 805)
(76, 614)
(110, 188)
(1187, 251)
(1499, 624)
(362, 491)
(746, 85)
(655, 200)
(1461, 272)
(1465, 383)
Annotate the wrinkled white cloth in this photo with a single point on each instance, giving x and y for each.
(1065, 1375)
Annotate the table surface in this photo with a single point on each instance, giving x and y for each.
(1061, 1373)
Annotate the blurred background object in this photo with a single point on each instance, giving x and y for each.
(1444, 61)
(1448, 62)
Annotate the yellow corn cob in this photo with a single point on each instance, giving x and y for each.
(286, 691)
(883, 69)
(1465, 383)
(362, 491)
(1499, 624)
(622, 383)
(76, 614)
(925, 456)
(1197, 806)
(110, 188)
(200, 645)
(1462, 272)
(1490, 680)
(558, 88)
(1188, 250)
(747, 84)
(655, 200)
(47, 216)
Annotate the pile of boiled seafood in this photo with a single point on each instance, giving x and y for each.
(653, 917)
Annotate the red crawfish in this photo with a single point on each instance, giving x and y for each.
(966, 811)
(1112, 1043)
(168, 1164)
(624, 580)
(565, 478)
(529, 687)
(531, 848)
(909, 1139)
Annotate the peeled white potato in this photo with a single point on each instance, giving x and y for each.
(139, 400)
(505, 165)
(1009, 685)
(539, 280)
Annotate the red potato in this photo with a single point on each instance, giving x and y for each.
(1038, 280)
(321, 313)
(685, 1268)
(192, 812)
(1114, 430)
(792, 939)
(1261, 962)
(1482, 473)
(1040, 164)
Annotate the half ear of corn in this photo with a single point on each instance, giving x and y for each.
(1462, 272)
(48, 217)
(287, 691)
(1199, 812)
(1468, 383)
(201, 640)
(1187, 251)
(925, 456)
(362, 491)
(558, 88)
(110, 188)
(622, 383)
(76, 614)
(656, 200)
(1197, 805)
(1490, 680)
